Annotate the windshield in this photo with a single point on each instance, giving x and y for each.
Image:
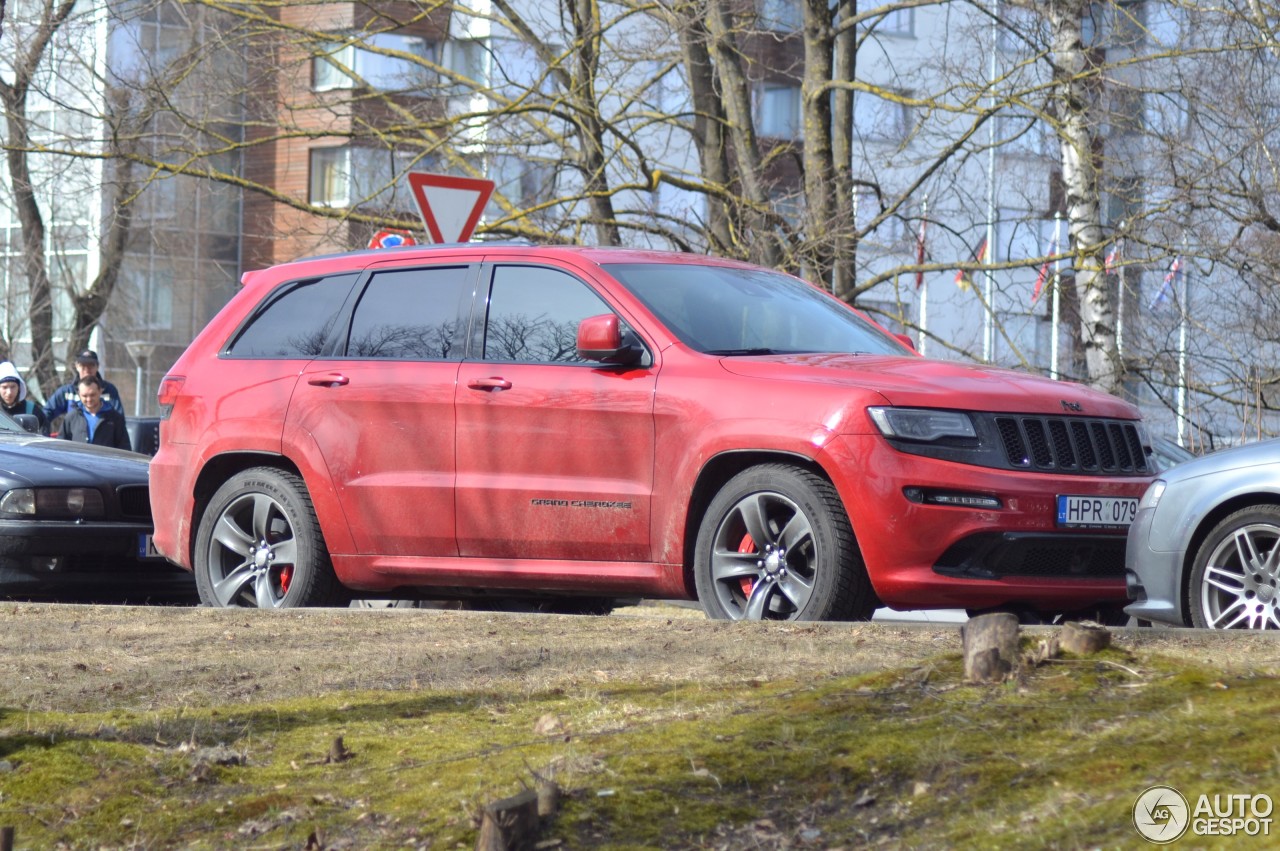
(727, 311)
(7, 423)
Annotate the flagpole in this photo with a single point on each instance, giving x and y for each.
(988, 323)
(1057, 308)
(924, 282)
(1120, 295)
(1182, 356)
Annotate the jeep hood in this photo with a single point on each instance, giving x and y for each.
(924, 383)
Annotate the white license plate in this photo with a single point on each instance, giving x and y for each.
(147, 547)
(1096, 512)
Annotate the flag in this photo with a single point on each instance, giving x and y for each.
(963, 281)
(1170, 278)
(1109, 265)
(1044, 270)
(920, 254)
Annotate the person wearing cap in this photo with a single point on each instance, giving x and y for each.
(13, 396)
(91, 421)
(67, 396)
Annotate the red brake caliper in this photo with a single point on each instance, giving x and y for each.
(286, 576)
(747, 546)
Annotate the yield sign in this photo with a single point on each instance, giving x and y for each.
(450, 206)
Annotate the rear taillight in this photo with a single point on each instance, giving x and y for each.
(167, 395)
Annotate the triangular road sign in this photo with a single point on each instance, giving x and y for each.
(450, 206)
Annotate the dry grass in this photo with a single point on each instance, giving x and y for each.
(665, 729)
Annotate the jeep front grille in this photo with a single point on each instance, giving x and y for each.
(1072, 445)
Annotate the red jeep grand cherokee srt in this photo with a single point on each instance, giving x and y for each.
(502, 422)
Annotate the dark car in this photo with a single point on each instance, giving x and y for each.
(75, 520)
(523, 421)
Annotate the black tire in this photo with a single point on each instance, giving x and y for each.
(1235, 578)
(268, 551)
(777, 544)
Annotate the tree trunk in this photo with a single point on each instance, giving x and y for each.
(760, 245)
(708, 124)
(592, 162)
(845, 247)
(1080, 177)
(819, 178)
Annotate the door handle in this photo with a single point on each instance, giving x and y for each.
(331, 380)
(492, 383)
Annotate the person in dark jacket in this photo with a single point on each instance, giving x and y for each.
(13, 396)
(91, 421)
(67, 396)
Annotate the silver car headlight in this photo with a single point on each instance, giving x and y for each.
(924, 424)
(1155, 490)
(52, 502)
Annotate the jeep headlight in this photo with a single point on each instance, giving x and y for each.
(923, 424)
(52, 502)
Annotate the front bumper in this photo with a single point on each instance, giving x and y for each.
(1153, 579)
(24, 538)
(922, 555)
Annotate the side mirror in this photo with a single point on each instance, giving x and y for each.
(600, 339)
(906, 341)
(28, 422)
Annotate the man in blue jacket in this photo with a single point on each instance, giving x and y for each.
(67, 396)
(91, 421)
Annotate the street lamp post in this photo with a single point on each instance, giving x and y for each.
(140, 351)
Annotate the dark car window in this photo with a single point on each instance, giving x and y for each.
(534, 314)
(295, 321)
(411, 314)
(731, 311)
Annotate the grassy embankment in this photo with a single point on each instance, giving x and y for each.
(908, 758)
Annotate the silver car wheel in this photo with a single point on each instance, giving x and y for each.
(775, 543)
(252, 553)
(765, 559)
(1239, 586)
(259, 545)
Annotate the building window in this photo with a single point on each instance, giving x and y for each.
(901, 22)
(468, 59)
(1025, 339)
(330, 177)
(148, 291)
(522, 180)
(374, 64)
(1168, 114)
(779, 107)
(878, 119)
(1166, 23)
(780, 15)
(349, 176)
(1022, 31)
(1018, 236)
(1020, 134)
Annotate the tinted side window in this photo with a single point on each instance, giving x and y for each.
(411, 314)
(534, 314)
(294, 321)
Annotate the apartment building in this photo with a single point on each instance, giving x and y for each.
(324, 107)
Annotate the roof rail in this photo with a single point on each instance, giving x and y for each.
(519, 241)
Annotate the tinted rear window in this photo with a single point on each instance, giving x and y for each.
(295, 321)
(411, 314)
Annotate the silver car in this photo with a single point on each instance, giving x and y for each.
(1203, 549)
